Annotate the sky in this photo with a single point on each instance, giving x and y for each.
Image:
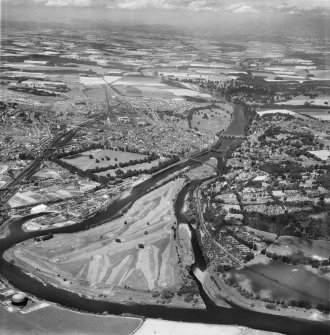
(215, 15)
(291, 7)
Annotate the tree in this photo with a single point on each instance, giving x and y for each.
(249, 257)
(119, 172)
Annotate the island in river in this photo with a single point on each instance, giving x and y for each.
(133, 258)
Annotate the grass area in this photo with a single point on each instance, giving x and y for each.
(317, 113)
(84, 162)
(274, 279)
(300, 248)
(211, 121)
(56, 320)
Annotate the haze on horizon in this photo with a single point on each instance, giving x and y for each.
(304, 18)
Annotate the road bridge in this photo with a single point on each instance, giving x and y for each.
(206, 163)
(232, 137)
(218, 151)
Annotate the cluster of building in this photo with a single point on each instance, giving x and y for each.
(274, 179)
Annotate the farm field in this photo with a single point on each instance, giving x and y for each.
(302, 100)
(99, 93)
(317, 113)
(211, 121)
(299, 247)
(277, 280)
(91, 81)
(146, 86)
(133, 255)
(82, 160)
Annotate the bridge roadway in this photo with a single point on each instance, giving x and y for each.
(206, 163)
(232, 136)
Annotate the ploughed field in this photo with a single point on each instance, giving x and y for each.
(133, 254)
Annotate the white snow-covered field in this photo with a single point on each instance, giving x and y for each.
(162, 327)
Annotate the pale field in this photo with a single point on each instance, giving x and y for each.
(164, 327)
(273, 111)
(320, 74)
(139, 81)
(145, 86)
(83, 161)
(92, 81)
(322, 154)
(94, 258)
(111, 79)
(186, 92)
(322, 117)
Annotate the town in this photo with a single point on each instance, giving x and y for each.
(164, 171)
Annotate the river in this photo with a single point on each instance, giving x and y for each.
(213, 314)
